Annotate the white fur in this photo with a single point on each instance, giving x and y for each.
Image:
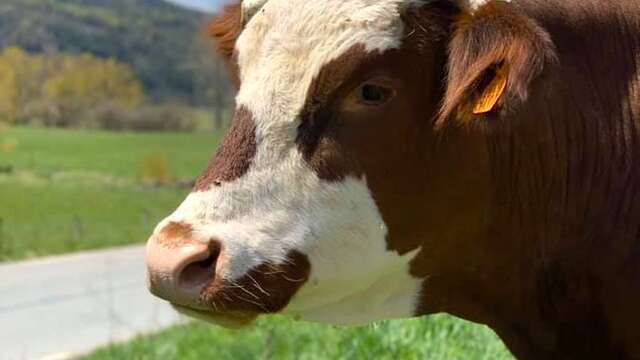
(475, 4)
(387, 292)
(280, 204)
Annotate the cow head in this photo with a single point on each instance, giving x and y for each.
(344, 185)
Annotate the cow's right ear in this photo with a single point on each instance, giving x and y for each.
(495, 52)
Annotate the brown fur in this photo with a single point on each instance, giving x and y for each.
(268, 288)
(225, 29)
(175, 235)
(331, 130)
(322, 152)
(234, 155)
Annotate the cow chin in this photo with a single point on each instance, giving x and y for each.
(226, 320)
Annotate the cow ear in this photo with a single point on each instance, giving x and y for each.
(495, 52)
(225, 29)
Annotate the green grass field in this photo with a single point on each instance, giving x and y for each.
(438, 337)
(76, 190)
(48, 151)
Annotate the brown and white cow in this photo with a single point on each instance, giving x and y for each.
(394, 158)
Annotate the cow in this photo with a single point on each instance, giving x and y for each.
(397, 158)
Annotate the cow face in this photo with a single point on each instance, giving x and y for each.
(319, 198)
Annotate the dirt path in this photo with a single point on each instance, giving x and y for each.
(56, 307)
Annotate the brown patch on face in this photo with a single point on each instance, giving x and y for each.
(328, 129)
(175, 235)
(316, 116)
(234, 155)
(267, 288)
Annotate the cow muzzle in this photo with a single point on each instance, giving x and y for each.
(190, 274)
(179, 272)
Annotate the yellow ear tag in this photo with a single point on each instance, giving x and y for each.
(491, 94)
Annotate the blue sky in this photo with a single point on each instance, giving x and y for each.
(207, 5)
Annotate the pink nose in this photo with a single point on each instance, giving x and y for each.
(178, 269)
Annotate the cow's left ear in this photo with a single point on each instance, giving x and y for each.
(224, 29)
(495, 52)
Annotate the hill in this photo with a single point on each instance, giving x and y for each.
(158, 39)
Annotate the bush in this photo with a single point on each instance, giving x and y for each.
(43, 113)
(155, 170)
(145, 118)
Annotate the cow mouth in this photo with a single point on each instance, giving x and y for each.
(264, 289)
(232, 320)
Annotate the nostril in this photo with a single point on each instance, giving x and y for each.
(200, 273)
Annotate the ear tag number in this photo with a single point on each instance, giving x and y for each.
(492, 93)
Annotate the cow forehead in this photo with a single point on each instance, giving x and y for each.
(286, 43)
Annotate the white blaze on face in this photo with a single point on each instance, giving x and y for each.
(280, 204)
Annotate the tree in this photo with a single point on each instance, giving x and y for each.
(60, 89)
(82, 83)
(8, 94)
(14, 63)
(21, 75)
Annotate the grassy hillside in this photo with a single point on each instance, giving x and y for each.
(75, 190)
(156, 38)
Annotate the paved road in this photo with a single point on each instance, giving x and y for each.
(53, 307)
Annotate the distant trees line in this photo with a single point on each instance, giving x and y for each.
(65, 90)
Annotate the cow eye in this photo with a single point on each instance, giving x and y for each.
(374, 94)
